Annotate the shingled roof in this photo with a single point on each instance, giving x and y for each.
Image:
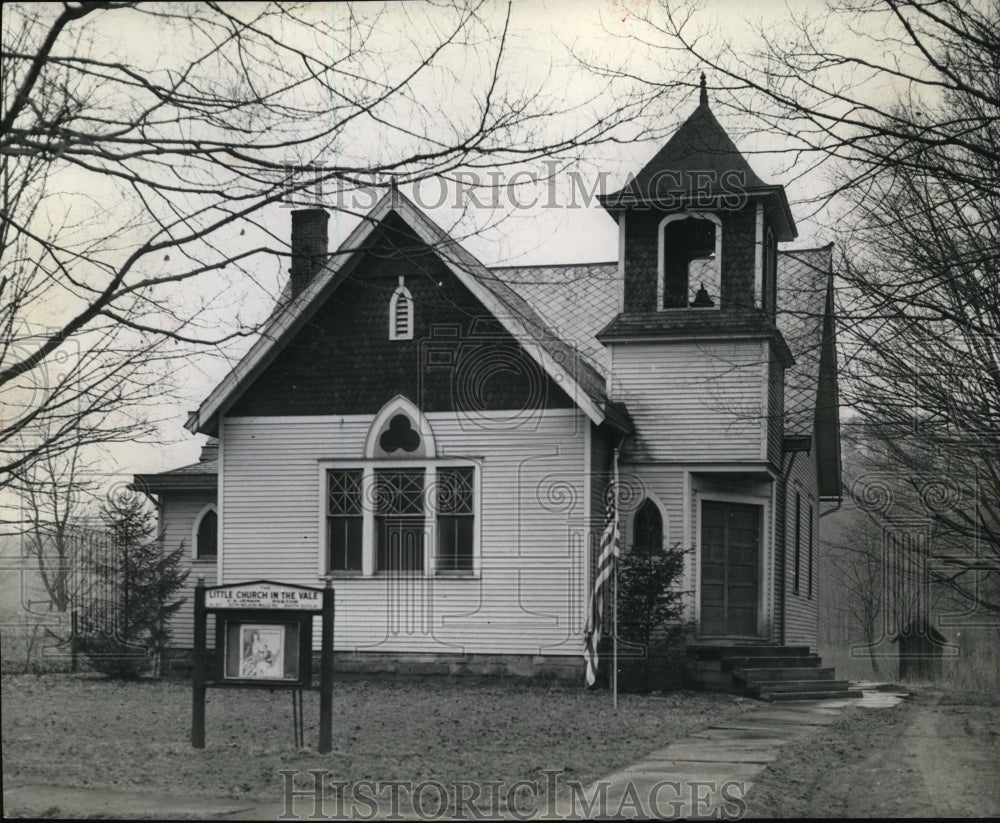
(199, 476)
(802, 285)
(806, 319)
(700, 164)
(578, 376)
(576, 301)
(568, 305)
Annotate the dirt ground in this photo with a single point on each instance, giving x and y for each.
(935, 755)
(88, 732)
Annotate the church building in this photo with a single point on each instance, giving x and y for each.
(437, 434)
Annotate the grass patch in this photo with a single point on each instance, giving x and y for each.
(81, 731)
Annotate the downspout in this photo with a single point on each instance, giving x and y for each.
(840, 502)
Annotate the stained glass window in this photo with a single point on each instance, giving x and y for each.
(345, 517)
(456, 518)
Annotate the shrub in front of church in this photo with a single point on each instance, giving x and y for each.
(651, 626)
(127, 598)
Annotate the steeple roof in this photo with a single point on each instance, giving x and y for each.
(701, 166)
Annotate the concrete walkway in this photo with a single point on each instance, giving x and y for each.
(709, 773)
(705, 775)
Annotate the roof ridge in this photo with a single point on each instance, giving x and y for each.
(824, 247)
(552, 265)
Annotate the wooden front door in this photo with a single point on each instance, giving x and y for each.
(730, 568)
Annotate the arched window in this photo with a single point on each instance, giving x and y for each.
(689, 266)
(647, 528)
(206, 538)
(401, 431)
(402, 508)
(401, 313)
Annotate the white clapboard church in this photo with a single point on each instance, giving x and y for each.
(437, 434)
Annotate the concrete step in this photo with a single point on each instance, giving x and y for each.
(710, 677)
(749, 650)
(813, 695)
(799, 673)
(784, 662)
(797, 685)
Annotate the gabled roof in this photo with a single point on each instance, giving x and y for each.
(577, 375)
(200, 476)
(576, 301)
(806, 319)
(701, 163)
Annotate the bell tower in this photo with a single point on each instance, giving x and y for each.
(698, 228)
(698, 235)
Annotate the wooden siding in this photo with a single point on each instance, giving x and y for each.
(801, 612)
(178, 512)
(529, 595)
(692, 401)
(775, 409)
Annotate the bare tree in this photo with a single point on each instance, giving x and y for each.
(899, 100)
(854, 85)
(856, 555)
(54, 495)
(142, 145)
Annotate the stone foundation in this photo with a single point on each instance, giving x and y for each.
(178, 663)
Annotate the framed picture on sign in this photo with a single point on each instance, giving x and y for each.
(261, 651)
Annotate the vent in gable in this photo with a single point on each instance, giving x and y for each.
(401, 313)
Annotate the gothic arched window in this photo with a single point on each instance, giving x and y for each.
(206, 541)
(647, 529)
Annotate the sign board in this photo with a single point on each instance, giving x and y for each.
(263, 639)
(264, 594)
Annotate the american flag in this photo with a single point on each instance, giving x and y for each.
(605, 569)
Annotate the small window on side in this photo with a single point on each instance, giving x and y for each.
(208, 536)
(456, 519)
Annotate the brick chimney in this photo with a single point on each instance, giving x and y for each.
(310, 246)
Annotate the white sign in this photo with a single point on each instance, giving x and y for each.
(264, 596)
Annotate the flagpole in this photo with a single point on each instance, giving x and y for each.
(614, 595)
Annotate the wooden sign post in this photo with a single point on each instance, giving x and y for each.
(263, 639)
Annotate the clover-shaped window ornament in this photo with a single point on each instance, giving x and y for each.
(399, 436)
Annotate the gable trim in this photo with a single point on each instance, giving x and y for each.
(298, 311)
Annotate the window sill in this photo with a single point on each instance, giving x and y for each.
(409, 575)
(205, 560)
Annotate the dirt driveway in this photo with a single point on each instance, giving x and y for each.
(935, 755)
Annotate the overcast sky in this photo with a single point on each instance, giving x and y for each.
(544, 36)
